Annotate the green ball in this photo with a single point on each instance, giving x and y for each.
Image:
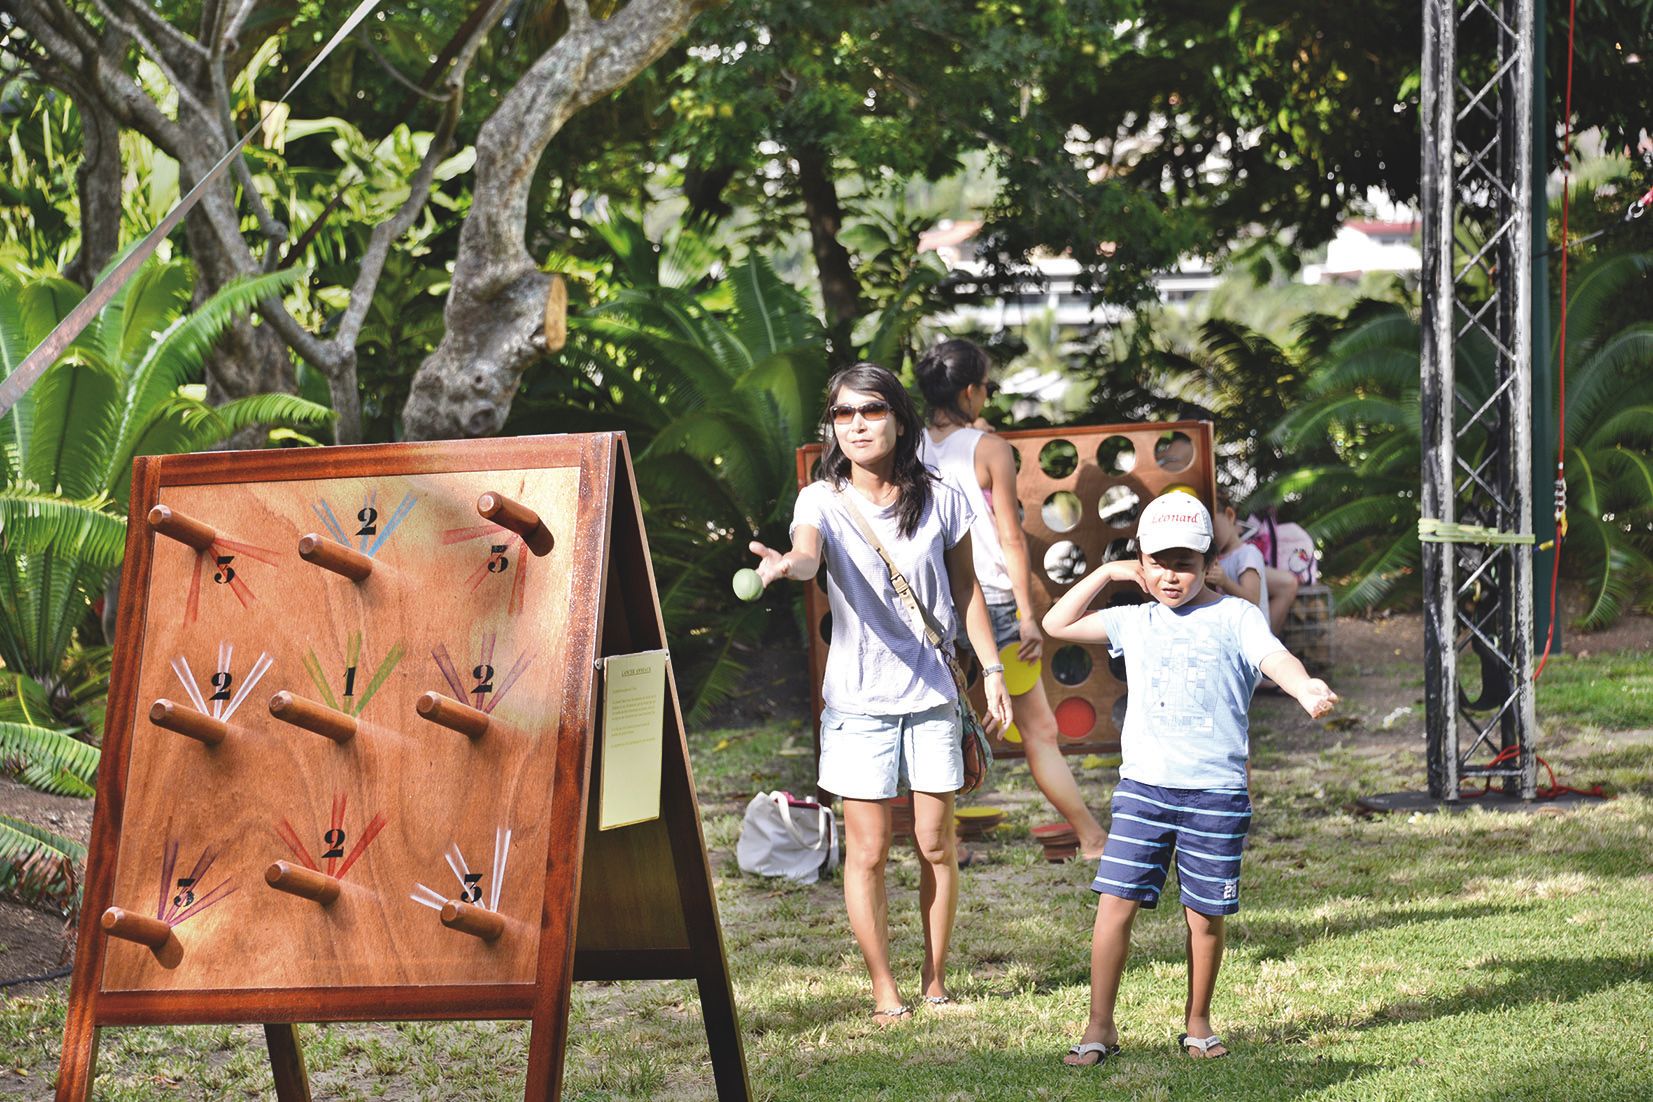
(748, 586)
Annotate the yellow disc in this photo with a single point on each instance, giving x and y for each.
(979, 813)
(1019, 676)
(1182, 488)
(1010, 734)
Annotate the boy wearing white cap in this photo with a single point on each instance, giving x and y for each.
(1192, 659)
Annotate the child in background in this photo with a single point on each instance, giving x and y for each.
(1192, 658)
(1241, 572)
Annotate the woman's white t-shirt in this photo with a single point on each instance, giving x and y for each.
(879, 662)
(954, 458)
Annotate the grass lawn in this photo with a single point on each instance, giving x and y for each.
(1467, 957)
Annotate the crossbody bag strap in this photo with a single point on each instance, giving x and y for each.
(932, 630)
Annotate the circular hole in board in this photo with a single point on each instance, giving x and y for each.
(1116, 667)
(1174, 451)
(826, 629)
(1016, 457)
(1116, 455)
(1119, 713)
(1061, 511)
(1119, 506)
(1071, 665)
(1075, 717)
(1064, 562)
(1059, 459)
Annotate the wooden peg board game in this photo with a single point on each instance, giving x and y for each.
(1079, 489)
(351, 745)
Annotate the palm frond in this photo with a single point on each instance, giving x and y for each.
(21, 840)
(32, 522)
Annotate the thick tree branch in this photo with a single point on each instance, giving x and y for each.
(495, 313)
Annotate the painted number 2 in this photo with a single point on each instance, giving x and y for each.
(484, 679)
(221, 681)
(498, 562)
(369, 518)
(225, 573)
(473, 888)
(335, 844)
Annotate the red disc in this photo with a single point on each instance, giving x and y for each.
(1075, 717)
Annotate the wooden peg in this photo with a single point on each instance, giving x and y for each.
(139, 928)
(300, 881)
(312, 716)
(187, 721)
(518, 518)
(476, 921)
(186, 530)
(453, 715)
(335, 556)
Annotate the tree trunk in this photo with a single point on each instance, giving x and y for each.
(495, 314)
(840, 290)
(98, 184)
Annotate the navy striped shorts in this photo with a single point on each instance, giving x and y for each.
(1205, 828)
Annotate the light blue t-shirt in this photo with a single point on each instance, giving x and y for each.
(1191, 672)
(879, 662)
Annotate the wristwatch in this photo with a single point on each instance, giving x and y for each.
(997, 667)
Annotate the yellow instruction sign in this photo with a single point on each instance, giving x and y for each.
(634, 714)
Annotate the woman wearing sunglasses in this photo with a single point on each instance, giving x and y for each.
(953, 379)
(891, 712)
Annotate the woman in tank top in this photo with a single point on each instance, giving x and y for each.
(953, 378)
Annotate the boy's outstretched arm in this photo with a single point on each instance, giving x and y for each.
(1069, 618)
(1283, 668)
(799, 564)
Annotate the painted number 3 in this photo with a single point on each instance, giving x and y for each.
(186, 892)
(473, 888)
(225, 573)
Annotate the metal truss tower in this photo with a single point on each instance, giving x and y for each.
(1476, 393)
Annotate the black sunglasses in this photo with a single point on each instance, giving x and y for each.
(870, 412)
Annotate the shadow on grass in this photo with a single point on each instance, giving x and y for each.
(990, 1075)
(1278, 938)
(1537, 980)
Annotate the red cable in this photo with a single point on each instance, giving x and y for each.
(1550, 792)
(1561, 389)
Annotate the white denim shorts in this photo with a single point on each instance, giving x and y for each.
(866, 757)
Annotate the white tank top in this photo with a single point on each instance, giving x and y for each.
(954, 459)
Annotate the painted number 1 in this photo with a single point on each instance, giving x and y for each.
(350, 681)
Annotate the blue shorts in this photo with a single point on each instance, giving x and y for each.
(1007, 628)
(868, 757)
(1206, 829)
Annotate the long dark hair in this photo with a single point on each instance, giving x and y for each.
(911, 477)
(946, 371)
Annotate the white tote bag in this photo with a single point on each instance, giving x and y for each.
(784, 836)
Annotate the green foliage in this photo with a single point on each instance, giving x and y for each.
(716, 374)
(129, 385)
(1363, 399)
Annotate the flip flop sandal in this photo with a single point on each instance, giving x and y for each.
(1087, 1047)
(1204, 1044)
(893, 1014)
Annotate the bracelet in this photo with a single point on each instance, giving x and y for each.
(997, 667)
